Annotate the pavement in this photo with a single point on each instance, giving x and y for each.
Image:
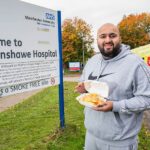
(146, 119)
(9, 101)
(72, 78)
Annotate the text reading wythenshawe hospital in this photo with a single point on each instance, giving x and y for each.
(11, 54)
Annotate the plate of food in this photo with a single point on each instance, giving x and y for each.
(97, 93)
(91, 99)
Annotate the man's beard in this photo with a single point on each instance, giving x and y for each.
(115, 51)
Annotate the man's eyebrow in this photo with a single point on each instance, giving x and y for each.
(114, 33)
(108, 33)
(102, 34)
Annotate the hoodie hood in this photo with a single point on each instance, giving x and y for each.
(125, 50)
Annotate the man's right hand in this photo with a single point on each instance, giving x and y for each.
(80, 88)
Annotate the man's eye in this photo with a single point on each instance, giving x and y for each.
(112, 35)
(102, 36)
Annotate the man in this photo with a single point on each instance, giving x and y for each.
(116, 124)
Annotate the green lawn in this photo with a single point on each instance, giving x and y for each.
(34, 123)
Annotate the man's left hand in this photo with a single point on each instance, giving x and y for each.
(106, 106)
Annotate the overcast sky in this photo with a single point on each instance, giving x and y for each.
(96, 12)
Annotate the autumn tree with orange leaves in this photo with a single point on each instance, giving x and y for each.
(76, 36)
(135, 29)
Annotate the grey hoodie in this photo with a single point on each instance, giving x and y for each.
(128, 78)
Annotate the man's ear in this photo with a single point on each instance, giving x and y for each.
(120, 40)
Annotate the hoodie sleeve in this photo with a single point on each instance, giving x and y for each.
(141, 92)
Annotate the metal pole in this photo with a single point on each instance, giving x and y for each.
(83, 52)
(61, 86)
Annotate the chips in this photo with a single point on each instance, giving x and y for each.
(91, 99)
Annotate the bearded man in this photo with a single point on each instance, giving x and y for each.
(115, 124)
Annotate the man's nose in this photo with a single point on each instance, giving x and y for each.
(107, 39)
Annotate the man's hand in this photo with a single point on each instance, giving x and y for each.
(106, 106)
(80, 88)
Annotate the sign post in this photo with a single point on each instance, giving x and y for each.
(61, 87)
(30, 49)
(74, 66)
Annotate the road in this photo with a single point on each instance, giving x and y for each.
(74, 78)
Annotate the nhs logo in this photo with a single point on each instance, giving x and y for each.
(50, 16)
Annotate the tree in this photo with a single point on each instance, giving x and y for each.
(135, 29)
(76, 36)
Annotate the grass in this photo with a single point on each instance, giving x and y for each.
(144, 139)
(29, 121)
(34, 123)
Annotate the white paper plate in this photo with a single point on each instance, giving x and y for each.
(97, 87)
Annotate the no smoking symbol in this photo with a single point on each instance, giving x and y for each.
(52, 81)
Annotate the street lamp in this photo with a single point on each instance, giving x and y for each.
(82, 37)
(82, 52)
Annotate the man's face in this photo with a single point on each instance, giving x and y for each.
(108, 40)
